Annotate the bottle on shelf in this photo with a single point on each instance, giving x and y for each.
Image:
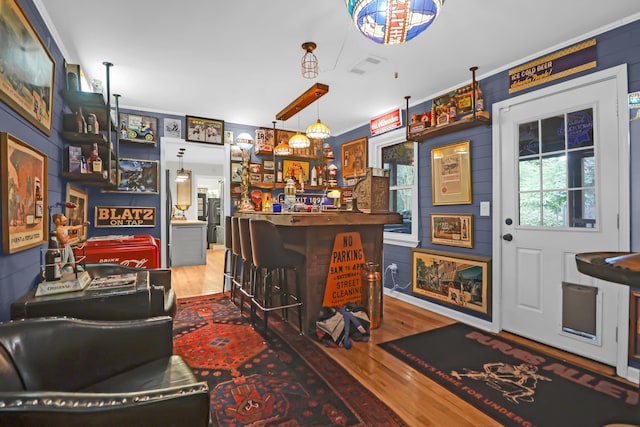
(96, 161)
(53, 259)
(123, 130)
(84, 166)
(92, 124)
(81, 121)
(479, 98)
(314, 176)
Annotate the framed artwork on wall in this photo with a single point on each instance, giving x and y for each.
(452, 230)
(200, 129)
(354, 160)
(298, 169)
(173, 128)
(451, 174)
(24, 195)
(138, 176)
(79, 214)
(26, 78)
(460, 281)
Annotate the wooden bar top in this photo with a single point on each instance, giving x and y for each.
(326, 218)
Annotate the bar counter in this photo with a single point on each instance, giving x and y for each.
(313, 234)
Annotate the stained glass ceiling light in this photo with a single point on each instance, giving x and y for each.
(299, 141)
(393, 21)
(318, 130)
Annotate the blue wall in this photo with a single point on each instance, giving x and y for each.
(19, 272)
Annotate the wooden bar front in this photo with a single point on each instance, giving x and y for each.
(313, 234)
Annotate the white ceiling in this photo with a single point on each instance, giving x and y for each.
(239, 61)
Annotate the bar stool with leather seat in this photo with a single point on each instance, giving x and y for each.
(247, 275)
(230, 259)
(273, 263)
(236, 251)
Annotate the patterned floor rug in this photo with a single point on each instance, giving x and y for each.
(516, 385)
(286, 381)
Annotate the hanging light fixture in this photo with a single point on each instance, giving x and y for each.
(392, 21)
(318, 130)
(309, 61)
(283, 148)
(182, 175)
(299, 140)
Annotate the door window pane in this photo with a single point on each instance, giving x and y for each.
(554, 172)
(552, 138)
(530, 209)
(580, 128)
(529, 170)
(528, 139)
(554, 208)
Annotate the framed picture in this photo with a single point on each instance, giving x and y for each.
(24, 195)
(354, 160)
(452, 230)
(228, 137)
(138, 129)
(200, 129)
(173, 128)
(268, 177)
(451, 174)
(236, 172)
(26, 68)
(255, 167)
(459, 281)
(79, 214)
(264, 141)
(296, 169)
(268, 165)
(138, 176)
(236, 153)
(255, 178)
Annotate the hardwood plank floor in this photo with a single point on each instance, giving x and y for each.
(414, 397)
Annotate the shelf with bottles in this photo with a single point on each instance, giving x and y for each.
(89, 103)
(93, 164)
(445, 129)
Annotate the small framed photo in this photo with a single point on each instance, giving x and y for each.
(80, 214)
(228, 137)
(268, 177)
(452, 230)
(268, 165)
(138, 176)
(209, 131)
(138, 129)
(236, 153)
(173, 128)
(255, 178)
(236, 172)
(255, 167)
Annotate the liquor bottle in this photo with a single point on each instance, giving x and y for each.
(84, 165)
(96, 161)
(123, 130)
(479, 98)
(53, 259)
(39, 208)
(92, 124)
(80, 121)
(279, 174)
(314, 176)
(453, 112)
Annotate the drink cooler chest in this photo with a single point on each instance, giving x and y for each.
(141, 251)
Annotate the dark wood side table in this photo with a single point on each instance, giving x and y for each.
(125, 303)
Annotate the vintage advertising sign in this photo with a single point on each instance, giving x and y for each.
(344, 283)
(386, 122)
(576, 58)
(125, 216)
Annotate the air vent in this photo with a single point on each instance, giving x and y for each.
(367, 64)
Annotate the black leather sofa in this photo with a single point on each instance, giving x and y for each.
(71, 372)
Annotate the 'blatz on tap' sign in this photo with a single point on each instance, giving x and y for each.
(125, 216)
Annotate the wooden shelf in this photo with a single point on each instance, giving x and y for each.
(449, 128)
(90, 179)
(91, 103)
(84, 138)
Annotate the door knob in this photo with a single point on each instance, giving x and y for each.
(508, 237)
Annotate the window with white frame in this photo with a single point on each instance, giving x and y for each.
(393, 152)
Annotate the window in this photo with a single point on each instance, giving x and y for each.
(393, 152)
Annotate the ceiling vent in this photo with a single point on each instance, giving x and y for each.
(366, 65)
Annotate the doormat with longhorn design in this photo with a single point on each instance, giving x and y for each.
(514, 384)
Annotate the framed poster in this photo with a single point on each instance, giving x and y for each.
(26, 68)
(79, 214)
(236, 172)
(460, 281)
(452, 230)
(138, 129)
(264, 141)
(200, 129)
(298, 169)
(354, 160)
(173, 128)
(236, 153)
(138, 176)
(24, 195)
(451, 174)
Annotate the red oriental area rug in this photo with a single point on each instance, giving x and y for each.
(514, 384)
(286, 381)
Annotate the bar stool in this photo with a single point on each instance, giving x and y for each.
(272, 262)
(246, 283)
(229, 256)
(236, 257)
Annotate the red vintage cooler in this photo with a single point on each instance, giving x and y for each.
(134, 251)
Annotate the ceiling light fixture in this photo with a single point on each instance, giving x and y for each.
(182, 175)
(309, 61)
(318, 130)
(300, 103)
(393, 22)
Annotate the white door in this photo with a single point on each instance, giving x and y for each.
(560, 161)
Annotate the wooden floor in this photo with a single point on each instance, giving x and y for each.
(415, 398)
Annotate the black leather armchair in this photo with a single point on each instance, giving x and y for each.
(71, 372)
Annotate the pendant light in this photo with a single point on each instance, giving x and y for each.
(393, 22)
(318, 130)
(299, 140)
(282, 148)
(309, 61)
(181, 175)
